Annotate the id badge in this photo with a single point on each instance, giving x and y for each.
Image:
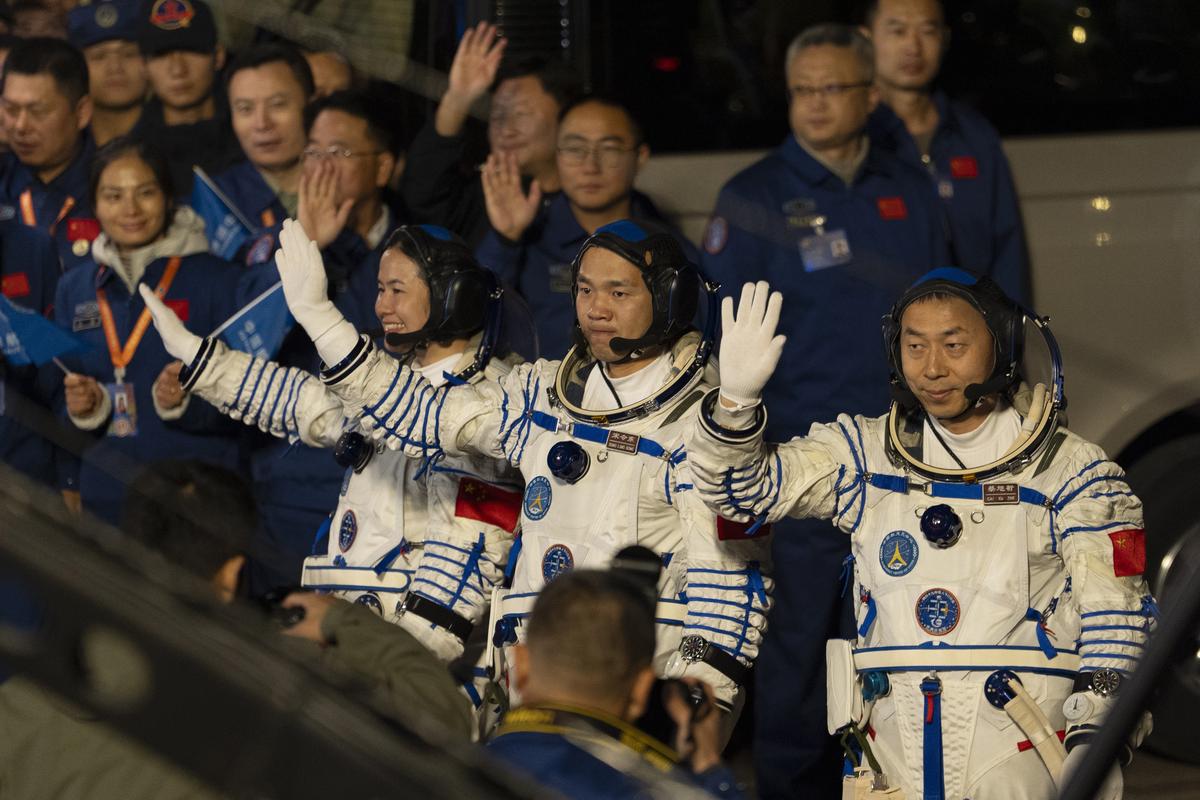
(124, 410)
(825, 249)
(560, 278)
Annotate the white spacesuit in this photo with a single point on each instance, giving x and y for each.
(600, 473)
(1025, 559)
(420, 540)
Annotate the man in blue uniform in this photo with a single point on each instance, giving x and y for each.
(106, 33)
(268, 87)
(186, 118)
(840, 227)
(44, 177)
(28, 276)
(956, 146)
(531, 246)
(584, 674)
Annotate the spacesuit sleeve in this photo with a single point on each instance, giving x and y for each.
(283, 401)
(1096, 524)
(487, 418)
(744, 479)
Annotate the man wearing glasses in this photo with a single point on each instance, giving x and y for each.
(839, 227)
(600, 150)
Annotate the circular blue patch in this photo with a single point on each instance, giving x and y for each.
(556, 561)
(371, 601)
(898, 553)
(347, 531)
(937, 612)
(260, 251)
(537, 497)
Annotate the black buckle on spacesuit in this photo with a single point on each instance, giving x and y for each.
(439, 615)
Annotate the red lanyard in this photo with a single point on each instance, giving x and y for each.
(121, 356)
(30, 218)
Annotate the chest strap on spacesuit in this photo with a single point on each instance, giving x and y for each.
(952, 491)
(360, 579)
(437, 614)
(612, 439)
(933, 767)
(965, 658)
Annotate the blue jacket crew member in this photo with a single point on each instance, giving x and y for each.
(120, 388)
(531, 247)
(840, 227)
(952, 142)
(44, 177)
(28, 277)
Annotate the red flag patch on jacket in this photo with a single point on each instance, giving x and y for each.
(487, 503)
(964, 167)
(82, 229)
(15, 285)
(727, 529)
(892, 208)
(1129, 552)
(180, 307)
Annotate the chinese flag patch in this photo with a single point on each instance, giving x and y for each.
(487, 503)
(1129, 552)
(964, 167)
(82, 229)
(15, 285)
(728, 529)
(180, 307)
(892, 208)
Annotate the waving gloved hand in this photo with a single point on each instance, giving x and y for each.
(749, 347)
(306, 288)
(178, 340)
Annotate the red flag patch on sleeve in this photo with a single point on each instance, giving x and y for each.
(1129, 552)
(180, 307)
(727, 529)
(486, 503)
(82, 229)
(15, 285)
(964, 167)
(892, 208)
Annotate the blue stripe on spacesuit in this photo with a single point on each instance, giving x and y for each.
(254, 391)
(1061, 503)
(391, 386)
(1118, 642)
(1113, 612)
(470, 569)
(935, 783)
(288, 416)
(266, 394)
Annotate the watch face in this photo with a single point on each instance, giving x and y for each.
(693, 648)
(1105, 682)
(1077, 707)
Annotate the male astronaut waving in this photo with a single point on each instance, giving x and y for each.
(420, 541)
(998, 557)
(598, 438)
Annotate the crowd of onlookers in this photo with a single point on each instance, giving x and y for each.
(123, 119)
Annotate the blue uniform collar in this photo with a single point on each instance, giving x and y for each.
(887, 128)
(559, 219)
(247, 188)
(814, 172)
(73, 180)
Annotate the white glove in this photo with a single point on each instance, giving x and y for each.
(178, 340)
(306, 288)
(749, 347)
(1112, 787)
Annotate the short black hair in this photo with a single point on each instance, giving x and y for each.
(262, 54)
(43, 55)
(356, 104)
(871, 8)
(558, 80)
(605, 100)
(148, 152)
(595, 629)
(196, 514)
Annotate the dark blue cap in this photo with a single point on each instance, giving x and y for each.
(94, 22)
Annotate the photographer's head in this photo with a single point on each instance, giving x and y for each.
(590, 642)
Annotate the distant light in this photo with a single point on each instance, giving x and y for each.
(1083, 12)
(667, 63)
(1079, 34)
(1103, 239)
(1101, 203)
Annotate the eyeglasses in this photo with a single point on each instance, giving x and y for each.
(334, 151)
(828, 90)
(609, 155)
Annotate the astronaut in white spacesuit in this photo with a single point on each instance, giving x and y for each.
(420, 540)
(998, 557)
(596, 436)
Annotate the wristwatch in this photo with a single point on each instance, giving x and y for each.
(1101, 682)
(695, 649)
